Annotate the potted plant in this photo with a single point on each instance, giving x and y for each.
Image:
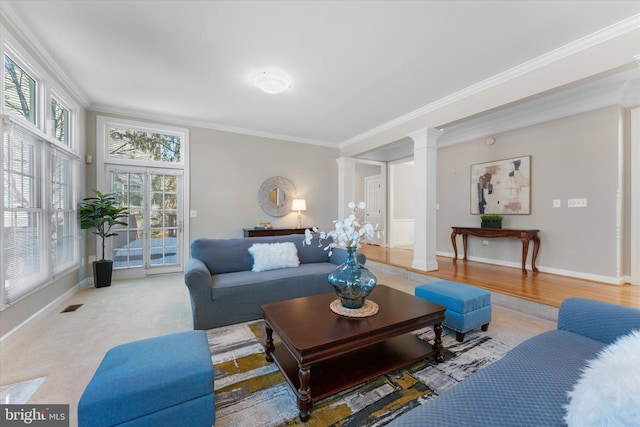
(102, 213)
(491, 221)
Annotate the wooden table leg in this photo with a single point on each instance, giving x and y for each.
(437, 343)
(269, 347)
(525, 250)
(455, 247)
(304, 393)
(464, 245)
(536, 248)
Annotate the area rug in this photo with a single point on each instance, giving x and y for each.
(249, 391)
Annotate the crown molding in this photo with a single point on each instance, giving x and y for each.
(619, 89)
(555, 55)
(622, 89)
(204, 124)
(11, 17)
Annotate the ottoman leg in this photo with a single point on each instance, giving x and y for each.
(460, 336)
(485, 327)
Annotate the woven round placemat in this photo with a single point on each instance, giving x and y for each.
(368, 309)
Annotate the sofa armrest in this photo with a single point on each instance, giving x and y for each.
(197, 276)
(598, 320)
(339, 256)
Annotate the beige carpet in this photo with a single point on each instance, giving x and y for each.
(66, 348)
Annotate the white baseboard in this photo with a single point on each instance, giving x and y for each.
(53, 305)
(557, 271)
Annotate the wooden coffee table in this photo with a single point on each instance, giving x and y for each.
(323, 353)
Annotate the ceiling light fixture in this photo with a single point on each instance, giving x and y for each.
(271, 82)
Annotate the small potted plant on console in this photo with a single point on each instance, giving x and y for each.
(102, 213)
(491, 221)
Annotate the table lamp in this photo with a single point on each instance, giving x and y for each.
(299, 205)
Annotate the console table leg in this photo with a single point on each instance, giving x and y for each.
(525, 250)
(437, 343)
(464, 245)
(455, 247)
(304, 393)
(269, 347)
(534, 256)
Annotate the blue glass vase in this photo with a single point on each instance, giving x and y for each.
(352, 281)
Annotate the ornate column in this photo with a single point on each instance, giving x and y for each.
(424, 240)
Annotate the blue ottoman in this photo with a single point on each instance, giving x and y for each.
(163, 381)
(467, 307)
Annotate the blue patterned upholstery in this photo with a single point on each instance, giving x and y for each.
(528, 387)
(468, 307)
(162, 381)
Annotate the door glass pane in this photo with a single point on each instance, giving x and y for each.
(127, 246)
(164, 219)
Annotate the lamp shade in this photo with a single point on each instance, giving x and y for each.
(298, 205)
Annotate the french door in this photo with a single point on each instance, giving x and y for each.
(152, 242)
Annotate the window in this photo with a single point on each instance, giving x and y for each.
(19, 91)
(63, 213)
(39, 210)
(39, 234)
(59, 121)
(144, 145)
(23, 261)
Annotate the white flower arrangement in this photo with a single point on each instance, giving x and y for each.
(348, 233)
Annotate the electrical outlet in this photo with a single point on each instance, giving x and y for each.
(557, 203)
(577, 203)
(193, 213)
(485, 243)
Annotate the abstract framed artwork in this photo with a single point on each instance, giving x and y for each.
(501, 187)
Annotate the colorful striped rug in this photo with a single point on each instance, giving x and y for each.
(249, 391)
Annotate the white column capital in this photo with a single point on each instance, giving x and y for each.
(346, 162)
(426, 137)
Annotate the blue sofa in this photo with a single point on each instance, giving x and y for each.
(529, 385)
(224, 290)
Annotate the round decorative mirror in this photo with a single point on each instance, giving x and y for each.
(275, 195)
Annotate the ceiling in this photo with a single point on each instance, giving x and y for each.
(354, 65)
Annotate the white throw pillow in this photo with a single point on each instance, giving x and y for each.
(608, 392)
(271, 256)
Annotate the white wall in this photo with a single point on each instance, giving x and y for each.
(401, 179)
(226, 172)
(573, 157)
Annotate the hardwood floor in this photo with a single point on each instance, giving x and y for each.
(540, 287)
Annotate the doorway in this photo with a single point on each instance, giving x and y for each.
(152, 241)
(144, 166)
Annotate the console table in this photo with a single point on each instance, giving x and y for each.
(258, 232)
(524, 235)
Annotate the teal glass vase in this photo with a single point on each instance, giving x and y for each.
(352, 281)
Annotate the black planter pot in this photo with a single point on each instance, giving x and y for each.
(490, 224)
(102, 273)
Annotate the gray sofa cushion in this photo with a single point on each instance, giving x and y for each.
(231, 255)
(242, 278)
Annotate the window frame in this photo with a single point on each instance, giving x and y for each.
(49, 149)
(104, 123)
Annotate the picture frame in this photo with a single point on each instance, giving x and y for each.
(501, 187)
